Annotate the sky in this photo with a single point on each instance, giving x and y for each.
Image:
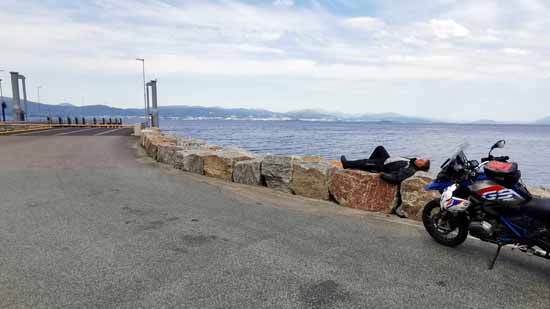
(445, 59)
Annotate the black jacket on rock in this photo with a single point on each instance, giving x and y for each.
(393, 169)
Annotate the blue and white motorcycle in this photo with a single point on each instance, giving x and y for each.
(489, 201)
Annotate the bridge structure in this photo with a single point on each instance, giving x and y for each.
(66, 125)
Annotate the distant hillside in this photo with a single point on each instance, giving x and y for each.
(545, 120)
(200, 112)
(66, 109)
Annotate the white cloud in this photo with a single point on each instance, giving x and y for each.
(364, 23)
(283, 3)
(515, 51)
(448, 28)
(235, 40)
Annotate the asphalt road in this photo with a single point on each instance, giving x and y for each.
(89, 222)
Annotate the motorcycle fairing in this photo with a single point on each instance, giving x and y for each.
(490, 190)
(453, 204)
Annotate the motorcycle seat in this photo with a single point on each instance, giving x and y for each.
(539, 208)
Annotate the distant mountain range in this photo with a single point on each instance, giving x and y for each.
(545, 120)
(200, 112)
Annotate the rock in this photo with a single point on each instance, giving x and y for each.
(153, 141)
(414, 197)
(194, 163)
(312, 159)
(540, 192)
(166, 153)
(219, 164)
(186, 142)
(145, 134)
(248, 172)
(277, 172)
(191, 160)
(137, 129)
(336, 163)
(310, 179)
(362, 190)
(150, 145)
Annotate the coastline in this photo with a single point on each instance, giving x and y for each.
(309, 176)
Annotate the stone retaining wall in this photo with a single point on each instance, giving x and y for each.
(312, 177)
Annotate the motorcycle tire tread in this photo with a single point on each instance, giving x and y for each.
(462, 229)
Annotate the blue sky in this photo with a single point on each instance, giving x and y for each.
(447, 59)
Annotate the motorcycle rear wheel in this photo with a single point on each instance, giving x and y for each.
(452, 235)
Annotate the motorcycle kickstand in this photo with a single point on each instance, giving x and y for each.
(492, 264)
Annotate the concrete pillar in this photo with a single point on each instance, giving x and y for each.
(154, 103)
(25, 102)
(16, 102)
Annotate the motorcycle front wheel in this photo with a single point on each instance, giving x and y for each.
(444, 228)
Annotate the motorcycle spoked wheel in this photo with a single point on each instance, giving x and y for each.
(449, 232)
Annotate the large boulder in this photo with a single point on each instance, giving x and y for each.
(147, 133)
(153, 141)
(414, 197)
(362, 190)
(187, 142)
(219, 164)
(277, 172)
(150, 145)
(540, 192)
(166, 153)
(336, 163)
(248, 172)
(137, 129)
(192, 160)
(310, 178)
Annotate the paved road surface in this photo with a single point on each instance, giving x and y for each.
(79, 131)
(88, 222)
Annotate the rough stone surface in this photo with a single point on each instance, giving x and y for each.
(146, 134)
(219, 164)
(152, 142)
(150, 145)
(540, 192)
(310, 179)
(414, 197)
(277, 172)
(166, 153)
(362, 190)
(248, 172)
(137, 129)
(336, 163)
(192, 160)
(312, 159)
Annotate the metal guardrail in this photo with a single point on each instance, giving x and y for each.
(21, 127)
(15, 131)
(68, 125)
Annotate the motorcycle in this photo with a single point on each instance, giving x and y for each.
(488, 201)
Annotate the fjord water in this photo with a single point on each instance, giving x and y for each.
(529, 145)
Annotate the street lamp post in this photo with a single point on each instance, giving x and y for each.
(38, 99)
(144, 92)
(2, 103)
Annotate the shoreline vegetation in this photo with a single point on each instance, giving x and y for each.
(308, 176)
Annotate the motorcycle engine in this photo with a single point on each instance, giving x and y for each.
(481, 229)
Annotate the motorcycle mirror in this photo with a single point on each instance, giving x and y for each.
(499, 144)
